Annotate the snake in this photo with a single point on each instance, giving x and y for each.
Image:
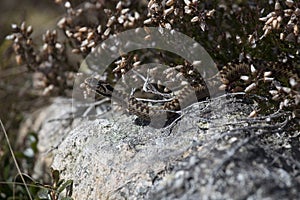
(186, 96)
(229, 79)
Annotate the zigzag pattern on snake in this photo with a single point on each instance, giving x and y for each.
(228, 78)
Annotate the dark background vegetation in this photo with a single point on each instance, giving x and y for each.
(16, 97)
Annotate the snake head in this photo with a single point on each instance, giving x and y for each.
(99, 87)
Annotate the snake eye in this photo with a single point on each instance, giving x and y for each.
(101, 90)
(104, 89)
(99, 87)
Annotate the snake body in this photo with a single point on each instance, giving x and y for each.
(186, 96)
(229, 76)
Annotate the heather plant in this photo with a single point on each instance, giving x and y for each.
(231, 32)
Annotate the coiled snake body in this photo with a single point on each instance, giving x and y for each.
(229, 78)
(186, 96)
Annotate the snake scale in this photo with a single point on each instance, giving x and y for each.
(230, 79)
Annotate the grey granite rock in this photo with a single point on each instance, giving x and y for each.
(214, 151)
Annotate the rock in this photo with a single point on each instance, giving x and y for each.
(214, 151)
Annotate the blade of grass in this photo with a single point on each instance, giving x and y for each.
(15, 160)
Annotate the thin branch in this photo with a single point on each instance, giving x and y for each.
(86, 112)
(148, 87)
(15, 160)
